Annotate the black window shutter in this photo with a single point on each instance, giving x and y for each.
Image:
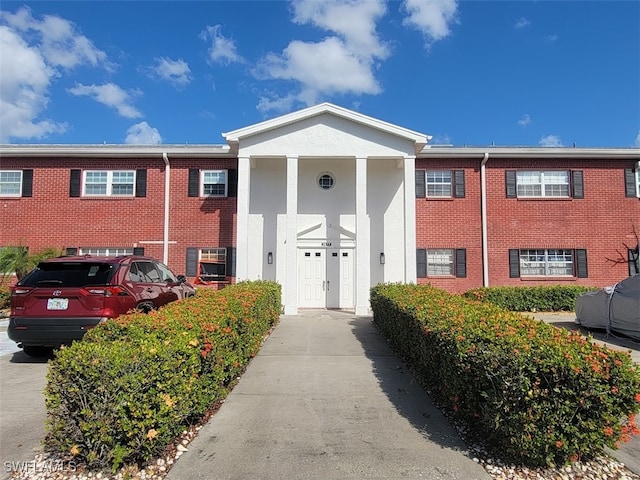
(27, 183)
(194, 182)
(421, 259)
(141, 182)
(511, 184)
(191, 269)
(461, 262)
(581, 263)
(138, 251)
(577, 184)
(629, 183)
(514, 263)
(458, 180)
(71, 251)
(74, 183)
(232, 187)
(231, 261)
(421, 189)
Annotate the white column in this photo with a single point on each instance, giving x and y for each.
(291, 248)
(410, 273)
(242, 218)
(363, 243)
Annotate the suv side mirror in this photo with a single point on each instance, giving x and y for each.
(181, 279)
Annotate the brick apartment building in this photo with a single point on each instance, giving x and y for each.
(329, 202)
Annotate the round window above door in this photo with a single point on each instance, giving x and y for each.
(326, 181)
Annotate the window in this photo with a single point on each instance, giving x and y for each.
(213, 264)
(440, 184)
(214, 183)
(439, 262)
(105, 251)
(11, 183)
(326, 181)
(543, 184)
(548, 262)
(109, 183)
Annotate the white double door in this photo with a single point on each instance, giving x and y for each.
(325, 277)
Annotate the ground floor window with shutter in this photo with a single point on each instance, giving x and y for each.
(10, 183)
(213, 265)
(441, 262)
(548, 262)
(103, 251)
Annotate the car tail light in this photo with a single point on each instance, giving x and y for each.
(107, 291)
(20, 290)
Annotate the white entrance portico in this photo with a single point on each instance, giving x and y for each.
(326, 205)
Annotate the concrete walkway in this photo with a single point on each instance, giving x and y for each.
(327, 399)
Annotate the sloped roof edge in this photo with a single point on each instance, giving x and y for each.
(236, 135)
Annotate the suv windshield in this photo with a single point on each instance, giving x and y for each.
(69, 274)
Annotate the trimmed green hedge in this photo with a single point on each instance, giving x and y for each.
(132, 385)
(532, 393)
(553, 298)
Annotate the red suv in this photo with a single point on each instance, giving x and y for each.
(63, 297)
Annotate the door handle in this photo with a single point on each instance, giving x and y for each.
(328, 285)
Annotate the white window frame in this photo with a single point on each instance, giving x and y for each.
(437, 186)
(109, 183)
(217, 255)
(10, 183)
(105, 251)
(547, 184)
(203, 184)
(547, 262)
(440, 262)
(637, 179)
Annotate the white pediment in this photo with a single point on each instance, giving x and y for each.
(325, 131)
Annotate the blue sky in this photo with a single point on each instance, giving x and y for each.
(470, 72)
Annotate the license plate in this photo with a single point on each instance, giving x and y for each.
(57, 303)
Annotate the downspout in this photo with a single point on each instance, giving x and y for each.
(483, 213)
(165, 234)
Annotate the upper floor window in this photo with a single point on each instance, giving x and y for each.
(214, 183)
(440, 184)
(11, 183)
(543, 184)
(108, 183)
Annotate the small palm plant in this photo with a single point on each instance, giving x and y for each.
(17, 260)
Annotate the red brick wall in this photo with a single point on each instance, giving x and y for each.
(452, 223)
(601, 222)
(50, 218)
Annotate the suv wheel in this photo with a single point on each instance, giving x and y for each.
(35, 351)
(145, 307)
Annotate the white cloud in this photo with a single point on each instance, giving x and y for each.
(223, 50)
(143, 134)
(176, 72)
(354, 22)
(110, 95)
(35, 53)
(348, 55)
(524, 120)
(638, 139)
(551, 38)
(431, 17)
(550, 141)
(522, 23)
